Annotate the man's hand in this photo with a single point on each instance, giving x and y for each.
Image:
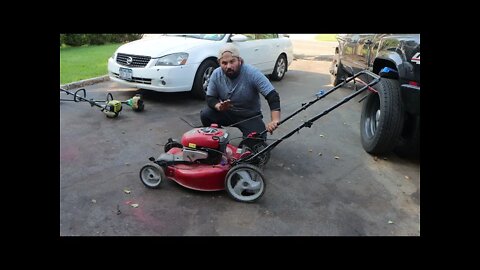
(272, 126)
(274, 123)
(223, 105)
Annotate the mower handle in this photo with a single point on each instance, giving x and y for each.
(305, 106)
(315, 118)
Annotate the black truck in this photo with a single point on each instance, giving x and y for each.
(390, 119)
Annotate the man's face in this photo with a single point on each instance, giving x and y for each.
(230, 65)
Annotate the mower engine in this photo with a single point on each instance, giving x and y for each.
(205, 145)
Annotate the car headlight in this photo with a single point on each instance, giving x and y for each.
(176, 59)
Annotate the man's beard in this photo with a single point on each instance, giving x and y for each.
(234, 74)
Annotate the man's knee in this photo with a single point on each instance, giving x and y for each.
(205, 117)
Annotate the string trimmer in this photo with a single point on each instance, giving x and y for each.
(110, 107)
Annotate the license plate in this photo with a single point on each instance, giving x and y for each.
(126, 74)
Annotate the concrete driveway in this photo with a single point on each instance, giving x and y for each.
(320, 182)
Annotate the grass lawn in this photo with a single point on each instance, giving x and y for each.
(80, 63)
(326, 37)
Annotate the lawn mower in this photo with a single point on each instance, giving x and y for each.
(111, 107)
(206, 160)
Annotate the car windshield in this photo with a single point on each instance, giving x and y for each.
(201, 36)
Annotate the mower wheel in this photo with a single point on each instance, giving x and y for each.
(256, 146)
(245, 183)
(170, 144)
(152, 175)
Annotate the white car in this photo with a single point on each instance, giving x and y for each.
(184, 62)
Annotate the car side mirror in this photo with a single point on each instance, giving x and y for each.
(239, 38)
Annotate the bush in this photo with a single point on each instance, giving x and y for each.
(122, 38)
(97, 39)
(76, 40)
(132, 37)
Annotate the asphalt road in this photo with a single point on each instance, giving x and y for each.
(320, 182)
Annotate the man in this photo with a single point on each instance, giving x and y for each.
(233, 95)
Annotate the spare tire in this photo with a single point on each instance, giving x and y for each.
(382, 118)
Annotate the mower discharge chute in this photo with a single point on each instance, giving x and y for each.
(205, 160)
(111, 108)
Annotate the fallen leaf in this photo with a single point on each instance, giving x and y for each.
(94, 201)
(390, 222)
(319, 154)
(407, 177)
(126, 191)
(336, 157)
(134, 205)
(321, 135)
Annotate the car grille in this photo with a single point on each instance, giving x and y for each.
(137, 60)
(135, 79)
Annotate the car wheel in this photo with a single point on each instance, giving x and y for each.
(382, 118)
(202, 77)
(336, 70)
(280, 68)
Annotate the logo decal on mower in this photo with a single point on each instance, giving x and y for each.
(416, 58)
